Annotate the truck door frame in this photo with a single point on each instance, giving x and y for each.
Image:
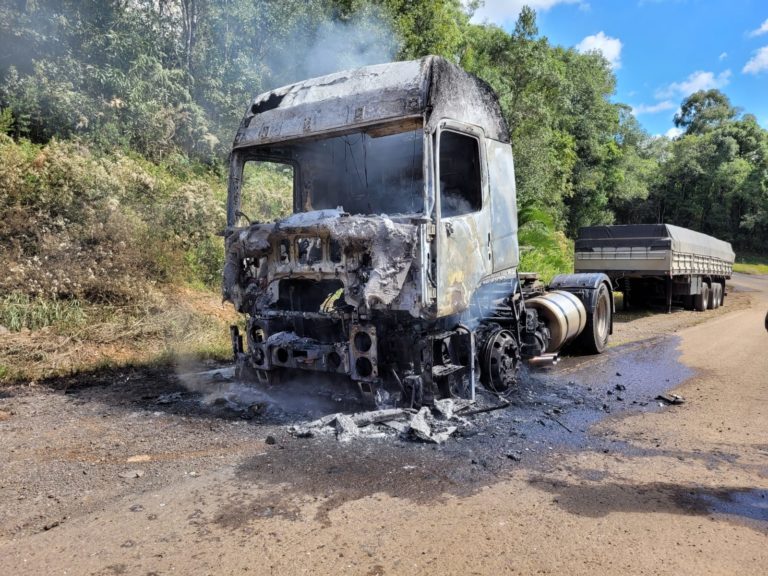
(463, 241)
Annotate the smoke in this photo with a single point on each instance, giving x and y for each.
(302, 397)
(318, 48)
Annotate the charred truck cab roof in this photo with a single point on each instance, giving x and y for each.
(404, 231)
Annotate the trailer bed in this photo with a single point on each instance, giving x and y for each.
(651, 250)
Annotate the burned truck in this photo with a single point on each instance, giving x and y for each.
(397, 269)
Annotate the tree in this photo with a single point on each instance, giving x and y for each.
(704, 110)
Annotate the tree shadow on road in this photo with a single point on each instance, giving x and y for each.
(596, 500)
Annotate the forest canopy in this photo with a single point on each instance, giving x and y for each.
(166, 80)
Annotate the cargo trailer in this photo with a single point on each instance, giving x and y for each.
(651, 262)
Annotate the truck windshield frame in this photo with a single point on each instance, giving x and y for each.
(375, 171)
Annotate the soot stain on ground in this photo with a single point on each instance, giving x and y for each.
(331, 473)
(552, 412)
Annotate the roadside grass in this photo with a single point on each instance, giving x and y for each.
(110, 259)
(172, 327)
(751, 264)
(19, 311)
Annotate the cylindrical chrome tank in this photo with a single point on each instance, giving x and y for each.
(564, 315)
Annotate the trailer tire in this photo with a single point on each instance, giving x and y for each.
(594, 338)
(701, 300)
(712, 301)
(722, 293)
(718, 290)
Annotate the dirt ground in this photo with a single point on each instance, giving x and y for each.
(134, 472)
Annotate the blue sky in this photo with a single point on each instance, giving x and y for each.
(662, 50)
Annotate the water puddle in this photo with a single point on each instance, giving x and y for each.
(746, 504)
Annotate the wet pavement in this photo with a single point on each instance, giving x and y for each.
(553, 412)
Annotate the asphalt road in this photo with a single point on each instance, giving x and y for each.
(619, 486)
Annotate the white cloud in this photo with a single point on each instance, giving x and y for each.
(673, 132)
(723, 56)
(699, 80)
(653, 108)
(758, 63)
(609, 47)
(762, 30)
(500, 11)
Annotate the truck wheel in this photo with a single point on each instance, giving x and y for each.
(501, 359)
(701, 300)
(594, 338)
(722, 294)
(718, 290)
(712, 296)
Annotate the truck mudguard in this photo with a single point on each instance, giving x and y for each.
(584, 286)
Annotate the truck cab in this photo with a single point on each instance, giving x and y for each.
(402, 242)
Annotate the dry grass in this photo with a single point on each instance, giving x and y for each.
(175, 324)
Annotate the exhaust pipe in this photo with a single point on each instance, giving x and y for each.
(544, 360)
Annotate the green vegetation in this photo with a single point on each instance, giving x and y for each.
(98, 227)
(19, 311)
(751, 264)
(543, 249)
(116, 118)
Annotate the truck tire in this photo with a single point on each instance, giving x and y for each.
(718, 290)
(722, 294)
(712, 297)
(594, 338)
(701, 300)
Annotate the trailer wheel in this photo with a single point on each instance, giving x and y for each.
(712, 296)
(701, 300)
(722, 294)
(718, 291)
(594, 338)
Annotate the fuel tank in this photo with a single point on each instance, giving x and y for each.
(564, 315)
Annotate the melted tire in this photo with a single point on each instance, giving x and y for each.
(594, 338)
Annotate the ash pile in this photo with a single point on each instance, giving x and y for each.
(297, 407)
(432, 424)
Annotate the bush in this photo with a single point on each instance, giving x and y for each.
(103, 228)
(542, 248)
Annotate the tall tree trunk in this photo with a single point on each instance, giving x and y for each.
(190, 13)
